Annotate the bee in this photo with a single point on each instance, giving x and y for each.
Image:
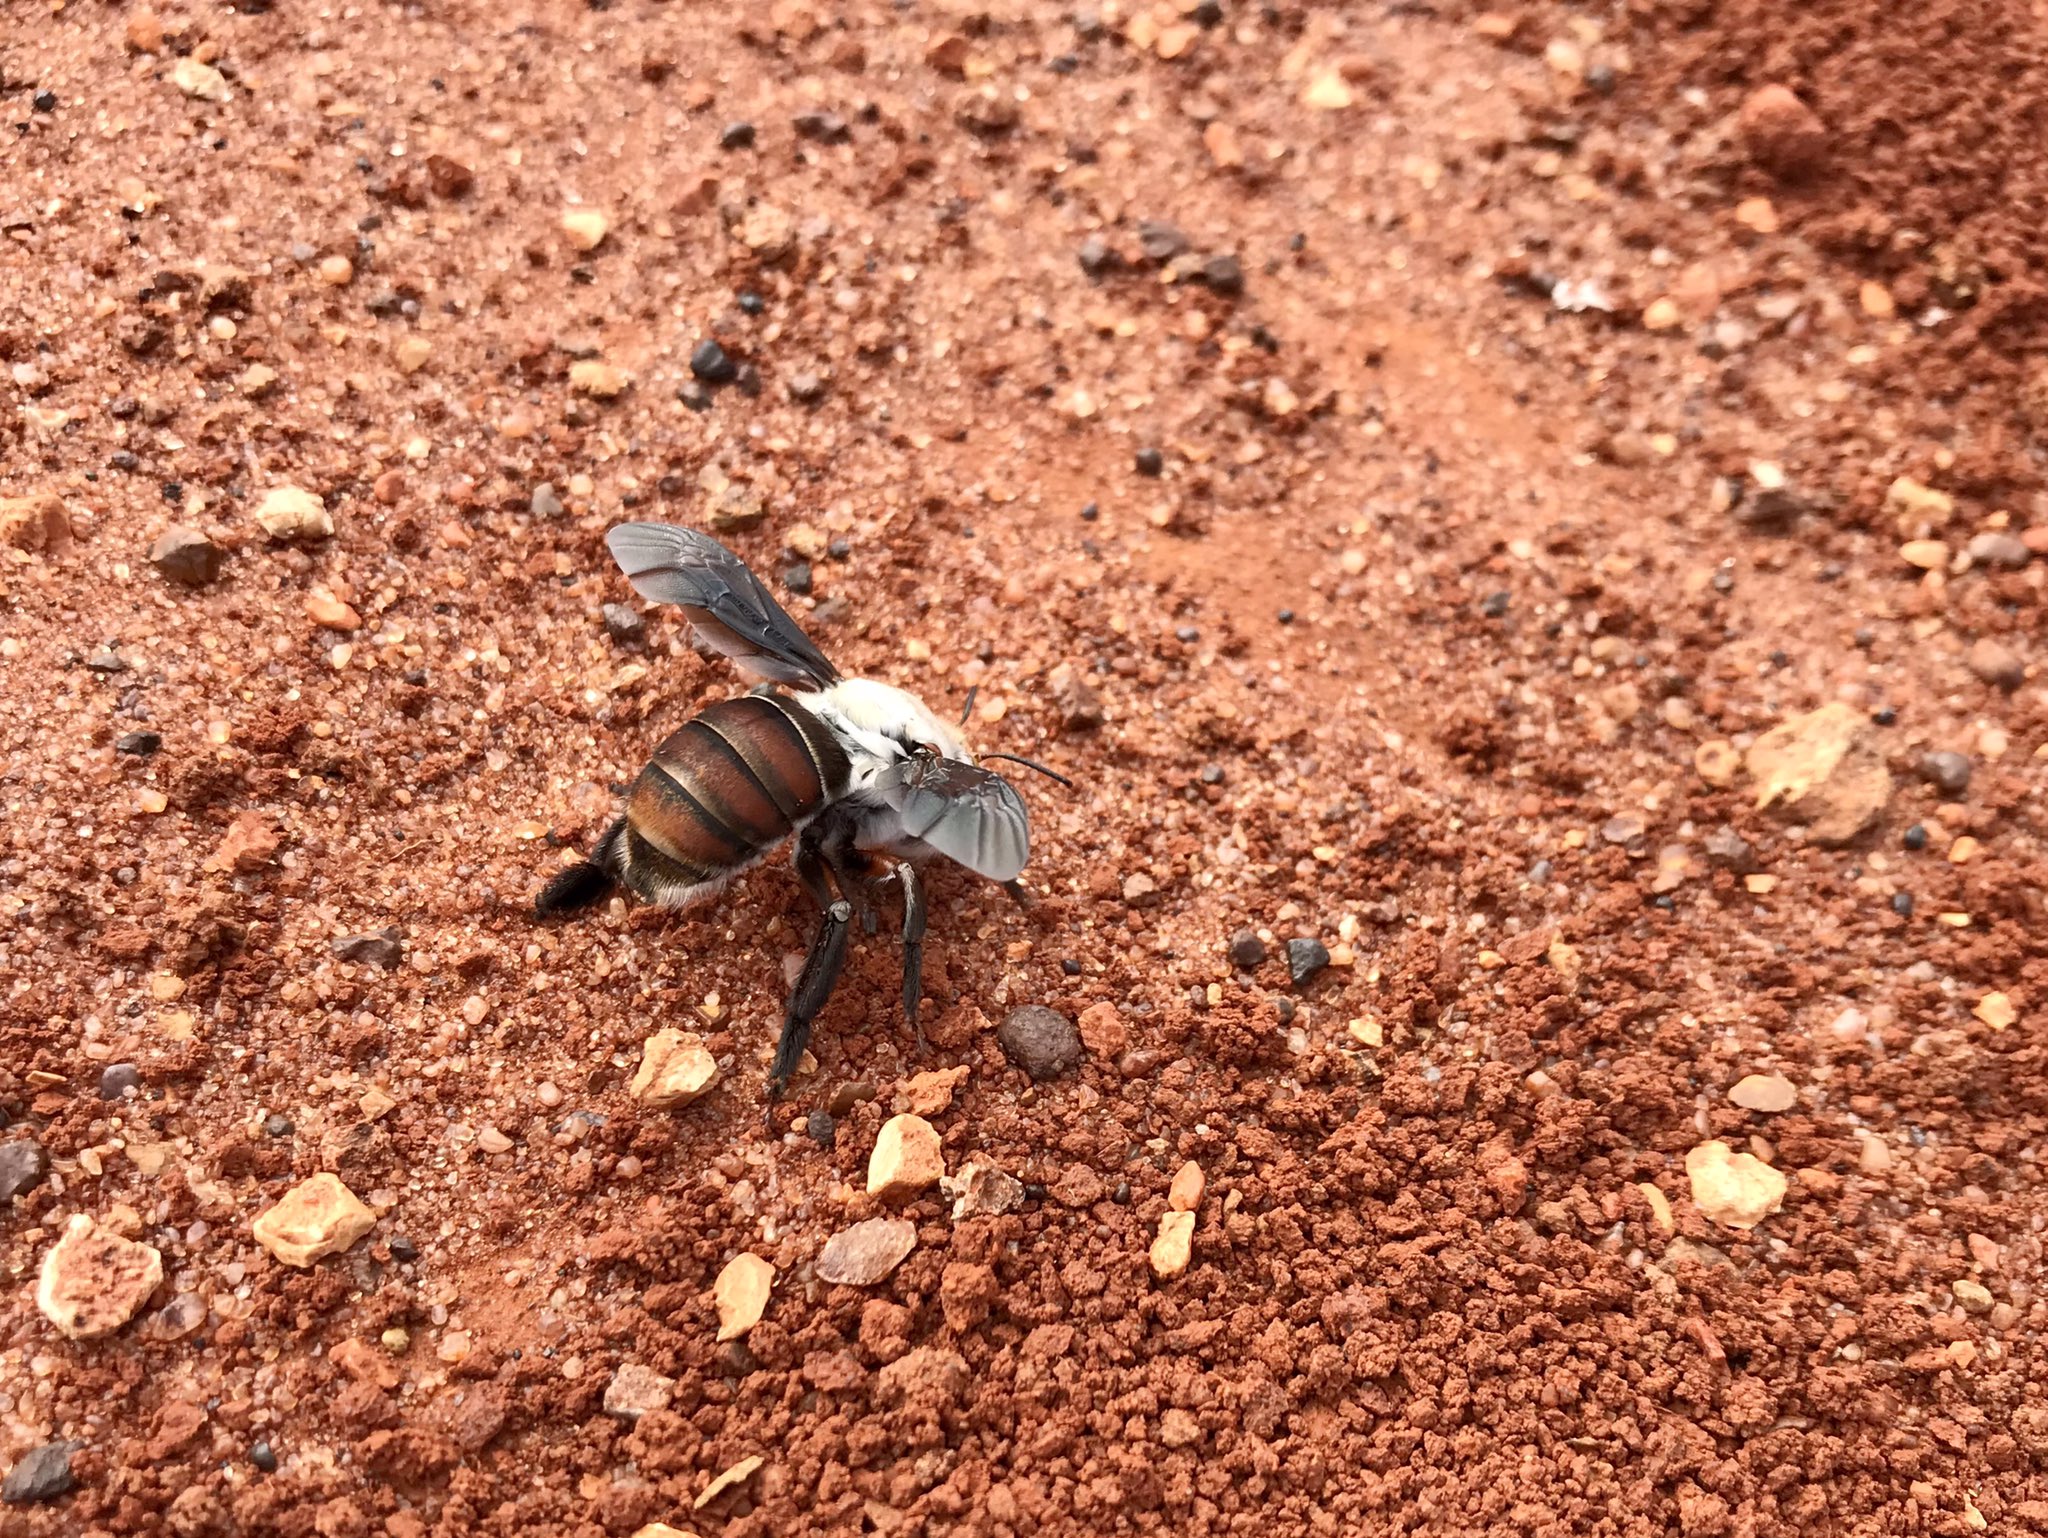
(866, 779)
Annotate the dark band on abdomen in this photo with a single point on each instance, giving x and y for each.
(732, 783)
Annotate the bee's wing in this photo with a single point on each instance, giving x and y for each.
(970, 815)
(728, 606)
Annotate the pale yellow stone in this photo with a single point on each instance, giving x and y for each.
(585, 228)
(1715, 761)
(907, 1158)
(1662, 315)
(739, 1473)
(602, 380)
(1737, 1190)
(293, 513)
(1824, 769)
(318, 1216)
(1660, 1207)
(1769, 1092)
(1996, 1010)
(675, 1068)
(1326, 91)
(1174, 1247)
(1927, 554)
(411, 354)
(741, 1294)
(92, 1282)
(200, 81)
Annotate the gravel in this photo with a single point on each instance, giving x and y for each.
(1042, 1042)
(43, 1474)
(1305, 958)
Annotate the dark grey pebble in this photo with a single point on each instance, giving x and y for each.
(276, 1125)
(710, 363)
(1150, 462)
(1160, 241)
(116, 1079)
(138, 744)
(1305, 958)
(381, 950)
(105, 662)
(822, 127)
(624, 624)
(1041, 1041)
(263, 1457)
(1948, 773)
(43, 1474)
(1916, 837)
(1247, 950)
(22, 1167)
(820, 1128)
(736, 136)
(1223, 273)
(798, 578)
(186, 556)
(1731, 851)
(1097, 256)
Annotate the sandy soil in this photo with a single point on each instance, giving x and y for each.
(1412, 467)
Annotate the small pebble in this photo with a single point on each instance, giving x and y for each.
(1224, 274)
(1285, 616)
(821, 127)
(797, 579)
(263, 1457)
(336, 271)
(1916, 837)
(545, 503)
(117, 1079)
(1041, 1041)
(1160, 241)
(42, 1474)
(624, 624)
(736, 136)
(1902, 904)
(138, 744)
(1096, 256)
(821, 1127)
(1305, 958)
(1247, 950)
(1150, 462)
(187, 557)
(22, 1167)
(1947, 772)
(44, 101)
(708, 361)
(403, 1250)
(751, 303)
(275, 1125)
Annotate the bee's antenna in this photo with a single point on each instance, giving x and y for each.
(1032, 763)
(968, 709)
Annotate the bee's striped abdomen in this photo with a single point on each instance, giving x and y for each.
(734, 782)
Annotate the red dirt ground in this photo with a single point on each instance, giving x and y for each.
(1413, 647)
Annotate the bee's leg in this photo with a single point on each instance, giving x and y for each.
(1017, 893)
(813, 987)
(913, 945)
(810, 869)
(849, 870)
